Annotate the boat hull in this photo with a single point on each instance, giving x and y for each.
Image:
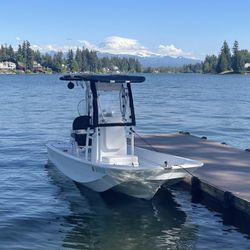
(140, 182)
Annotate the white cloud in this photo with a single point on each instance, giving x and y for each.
(18, 38)
(65, 48)
(171, 50)
(118, 45)
(122, 45)
(36, 47)
(87, 45)
(54, 47)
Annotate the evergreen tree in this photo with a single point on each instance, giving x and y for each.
(105, 62)
(37, 56)
(223, 64)
(84, 60)
(29, 56)
(245, 55)
(84, 63)
(75, 67)
(70, 60)
(92, 61)
(124, 64)
(47, 61)
(26, 55)
(227, 53)
(206, 67)
(209, 65)
(3, 53)
(10, 53)
(224, 60)
(58, 62)
(19, 54)
(138, 67)
(78, 59)
(237, 60)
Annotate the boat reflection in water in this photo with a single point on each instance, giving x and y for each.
(110, 220)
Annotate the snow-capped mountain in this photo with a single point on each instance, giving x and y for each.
(156, 60)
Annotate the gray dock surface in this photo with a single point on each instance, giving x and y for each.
(225, 168)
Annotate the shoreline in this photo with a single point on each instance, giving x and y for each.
(156, 73)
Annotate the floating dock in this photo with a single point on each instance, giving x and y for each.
(226, 172)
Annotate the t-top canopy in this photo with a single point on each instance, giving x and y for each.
(104, 78)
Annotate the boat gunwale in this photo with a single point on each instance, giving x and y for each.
(125, 167)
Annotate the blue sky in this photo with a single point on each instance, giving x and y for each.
(191, 28)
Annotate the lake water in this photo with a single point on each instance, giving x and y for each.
(42, 209)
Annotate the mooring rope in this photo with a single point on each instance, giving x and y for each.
(156, 150)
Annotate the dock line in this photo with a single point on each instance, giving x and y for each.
(154, 149)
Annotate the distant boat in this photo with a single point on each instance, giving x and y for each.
(101, 154)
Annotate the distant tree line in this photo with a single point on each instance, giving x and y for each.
(227, 60)
(82, 60)
(85, 60)
(188, 68)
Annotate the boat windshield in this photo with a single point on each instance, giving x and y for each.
(113, 103)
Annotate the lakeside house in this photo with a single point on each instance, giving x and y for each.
(7, 65)
(247, 66)
(37, 67)
(20, 67)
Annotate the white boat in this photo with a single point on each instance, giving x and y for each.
(101, 153)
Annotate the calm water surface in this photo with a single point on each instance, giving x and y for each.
(42, 209)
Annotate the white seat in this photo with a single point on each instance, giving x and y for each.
(113, 141)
